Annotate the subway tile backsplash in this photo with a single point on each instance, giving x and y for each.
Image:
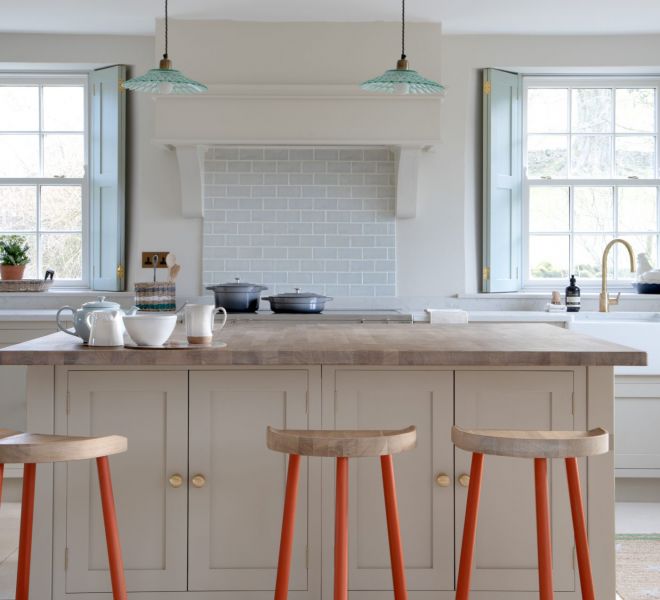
(321, 219)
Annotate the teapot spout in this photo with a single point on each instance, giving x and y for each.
(131, 311)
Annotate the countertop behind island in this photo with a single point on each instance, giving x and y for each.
(256, 343)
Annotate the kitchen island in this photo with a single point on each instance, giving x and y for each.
(204, 411)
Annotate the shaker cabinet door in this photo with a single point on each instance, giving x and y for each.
(506, 556)
(236, 515)
(151, 410)
(392, 399)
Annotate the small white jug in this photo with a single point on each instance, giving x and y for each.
(200, 322)
(105, 328)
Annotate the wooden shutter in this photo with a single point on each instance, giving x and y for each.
(502, 221)
(107, 176)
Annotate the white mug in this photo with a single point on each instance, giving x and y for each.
(200, 322)
(105, 328)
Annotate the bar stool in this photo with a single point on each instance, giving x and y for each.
(539, 445)
(32, 448)
(342, 445)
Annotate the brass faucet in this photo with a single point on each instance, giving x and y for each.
(604, 300)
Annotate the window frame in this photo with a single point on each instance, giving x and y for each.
(568, 82)
(69, 78)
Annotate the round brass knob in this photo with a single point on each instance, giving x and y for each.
(464, 480)
(443, 480)
(198, 481)
(176, 480)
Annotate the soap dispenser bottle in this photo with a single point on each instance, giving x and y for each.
(572, 296)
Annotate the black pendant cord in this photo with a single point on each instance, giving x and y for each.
(166, 32)
(403, 29)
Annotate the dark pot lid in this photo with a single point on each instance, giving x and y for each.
(237, 286)
(298, 296)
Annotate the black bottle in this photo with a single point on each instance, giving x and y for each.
(572, 296)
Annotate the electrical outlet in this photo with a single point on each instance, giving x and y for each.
(148, 262)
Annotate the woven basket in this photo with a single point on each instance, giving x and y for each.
(158, 296)
(25, 285)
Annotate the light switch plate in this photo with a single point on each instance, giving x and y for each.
(147, 260)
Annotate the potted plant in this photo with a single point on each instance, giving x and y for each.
(13, 256)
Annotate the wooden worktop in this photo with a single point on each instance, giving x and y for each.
(474, 344)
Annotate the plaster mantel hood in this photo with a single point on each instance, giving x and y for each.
(296, 115)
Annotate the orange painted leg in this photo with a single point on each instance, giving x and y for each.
(393, 529)
(341, 530)
(2, 476)
(543, 536)
(288, 525)
(25, 543)
(111, 532)
(470, 528)
(580, 530)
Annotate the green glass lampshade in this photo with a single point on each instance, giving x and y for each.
(164, 80)
(402, 80)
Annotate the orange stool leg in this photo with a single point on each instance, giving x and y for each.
(543, 536)
(470, 527)
(2, 476)
(393, 529)
(25, 543)
(111, 532)
(288, 525)
(580, 530)
(341, 530)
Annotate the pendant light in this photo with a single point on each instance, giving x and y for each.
(402, 80)
(164, 79)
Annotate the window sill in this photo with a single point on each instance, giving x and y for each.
(547, 293)
(67, 293)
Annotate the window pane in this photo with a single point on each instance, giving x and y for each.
(587, 255)
(19, 108)
(63, 155)
(62, 252)
(64, 108)
(590, 156)
(548, 256)
(548, 209)
(591, 110)
(61, 208)
(547, 110)
(547, 156)
(635, 110)
(593, 209)
(642, 244)
(19, 155)
(635, 156)
(638, 209)
(18, 208)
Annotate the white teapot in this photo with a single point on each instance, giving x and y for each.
(80, 324)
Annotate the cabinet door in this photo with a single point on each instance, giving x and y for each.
(150, 409)
(375, 399)
(236, 517)
(506, 555)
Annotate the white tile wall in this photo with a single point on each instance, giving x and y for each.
(321, 219)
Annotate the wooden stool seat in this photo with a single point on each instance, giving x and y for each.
(346, 443)
(532, 444)
(17, 447)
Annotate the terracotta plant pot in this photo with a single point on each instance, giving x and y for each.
(12, 272)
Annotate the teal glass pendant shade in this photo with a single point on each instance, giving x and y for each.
(164, 80)
(402, 80)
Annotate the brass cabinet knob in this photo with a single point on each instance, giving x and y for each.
(198, 481)
(176, 480)
(443, 480)
(464, 480)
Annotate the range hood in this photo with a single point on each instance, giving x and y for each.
(296, 115)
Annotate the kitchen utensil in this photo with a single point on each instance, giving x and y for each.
(170, 261)
(149, 329)
(80, 325)
(154, 260)
(174, 272)
(298, 302)
(237, 296)
(105, 328)
(200, 322)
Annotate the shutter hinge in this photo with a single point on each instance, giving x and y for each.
(486, 273)
(122, 89)
(121, 271)
(66, 558)
(488, 87)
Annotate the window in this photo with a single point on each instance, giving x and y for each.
(43, 180)
(591, 160)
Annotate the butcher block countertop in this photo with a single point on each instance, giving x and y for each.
(474, 344)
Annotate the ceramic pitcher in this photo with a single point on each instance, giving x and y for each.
(200, 322)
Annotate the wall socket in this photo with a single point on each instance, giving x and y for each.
(148, 262)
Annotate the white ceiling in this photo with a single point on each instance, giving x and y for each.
(457, 16)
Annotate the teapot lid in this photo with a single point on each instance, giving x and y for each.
(100, 303)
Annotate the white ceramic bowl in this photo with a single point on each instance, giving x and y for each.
(148, 329)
